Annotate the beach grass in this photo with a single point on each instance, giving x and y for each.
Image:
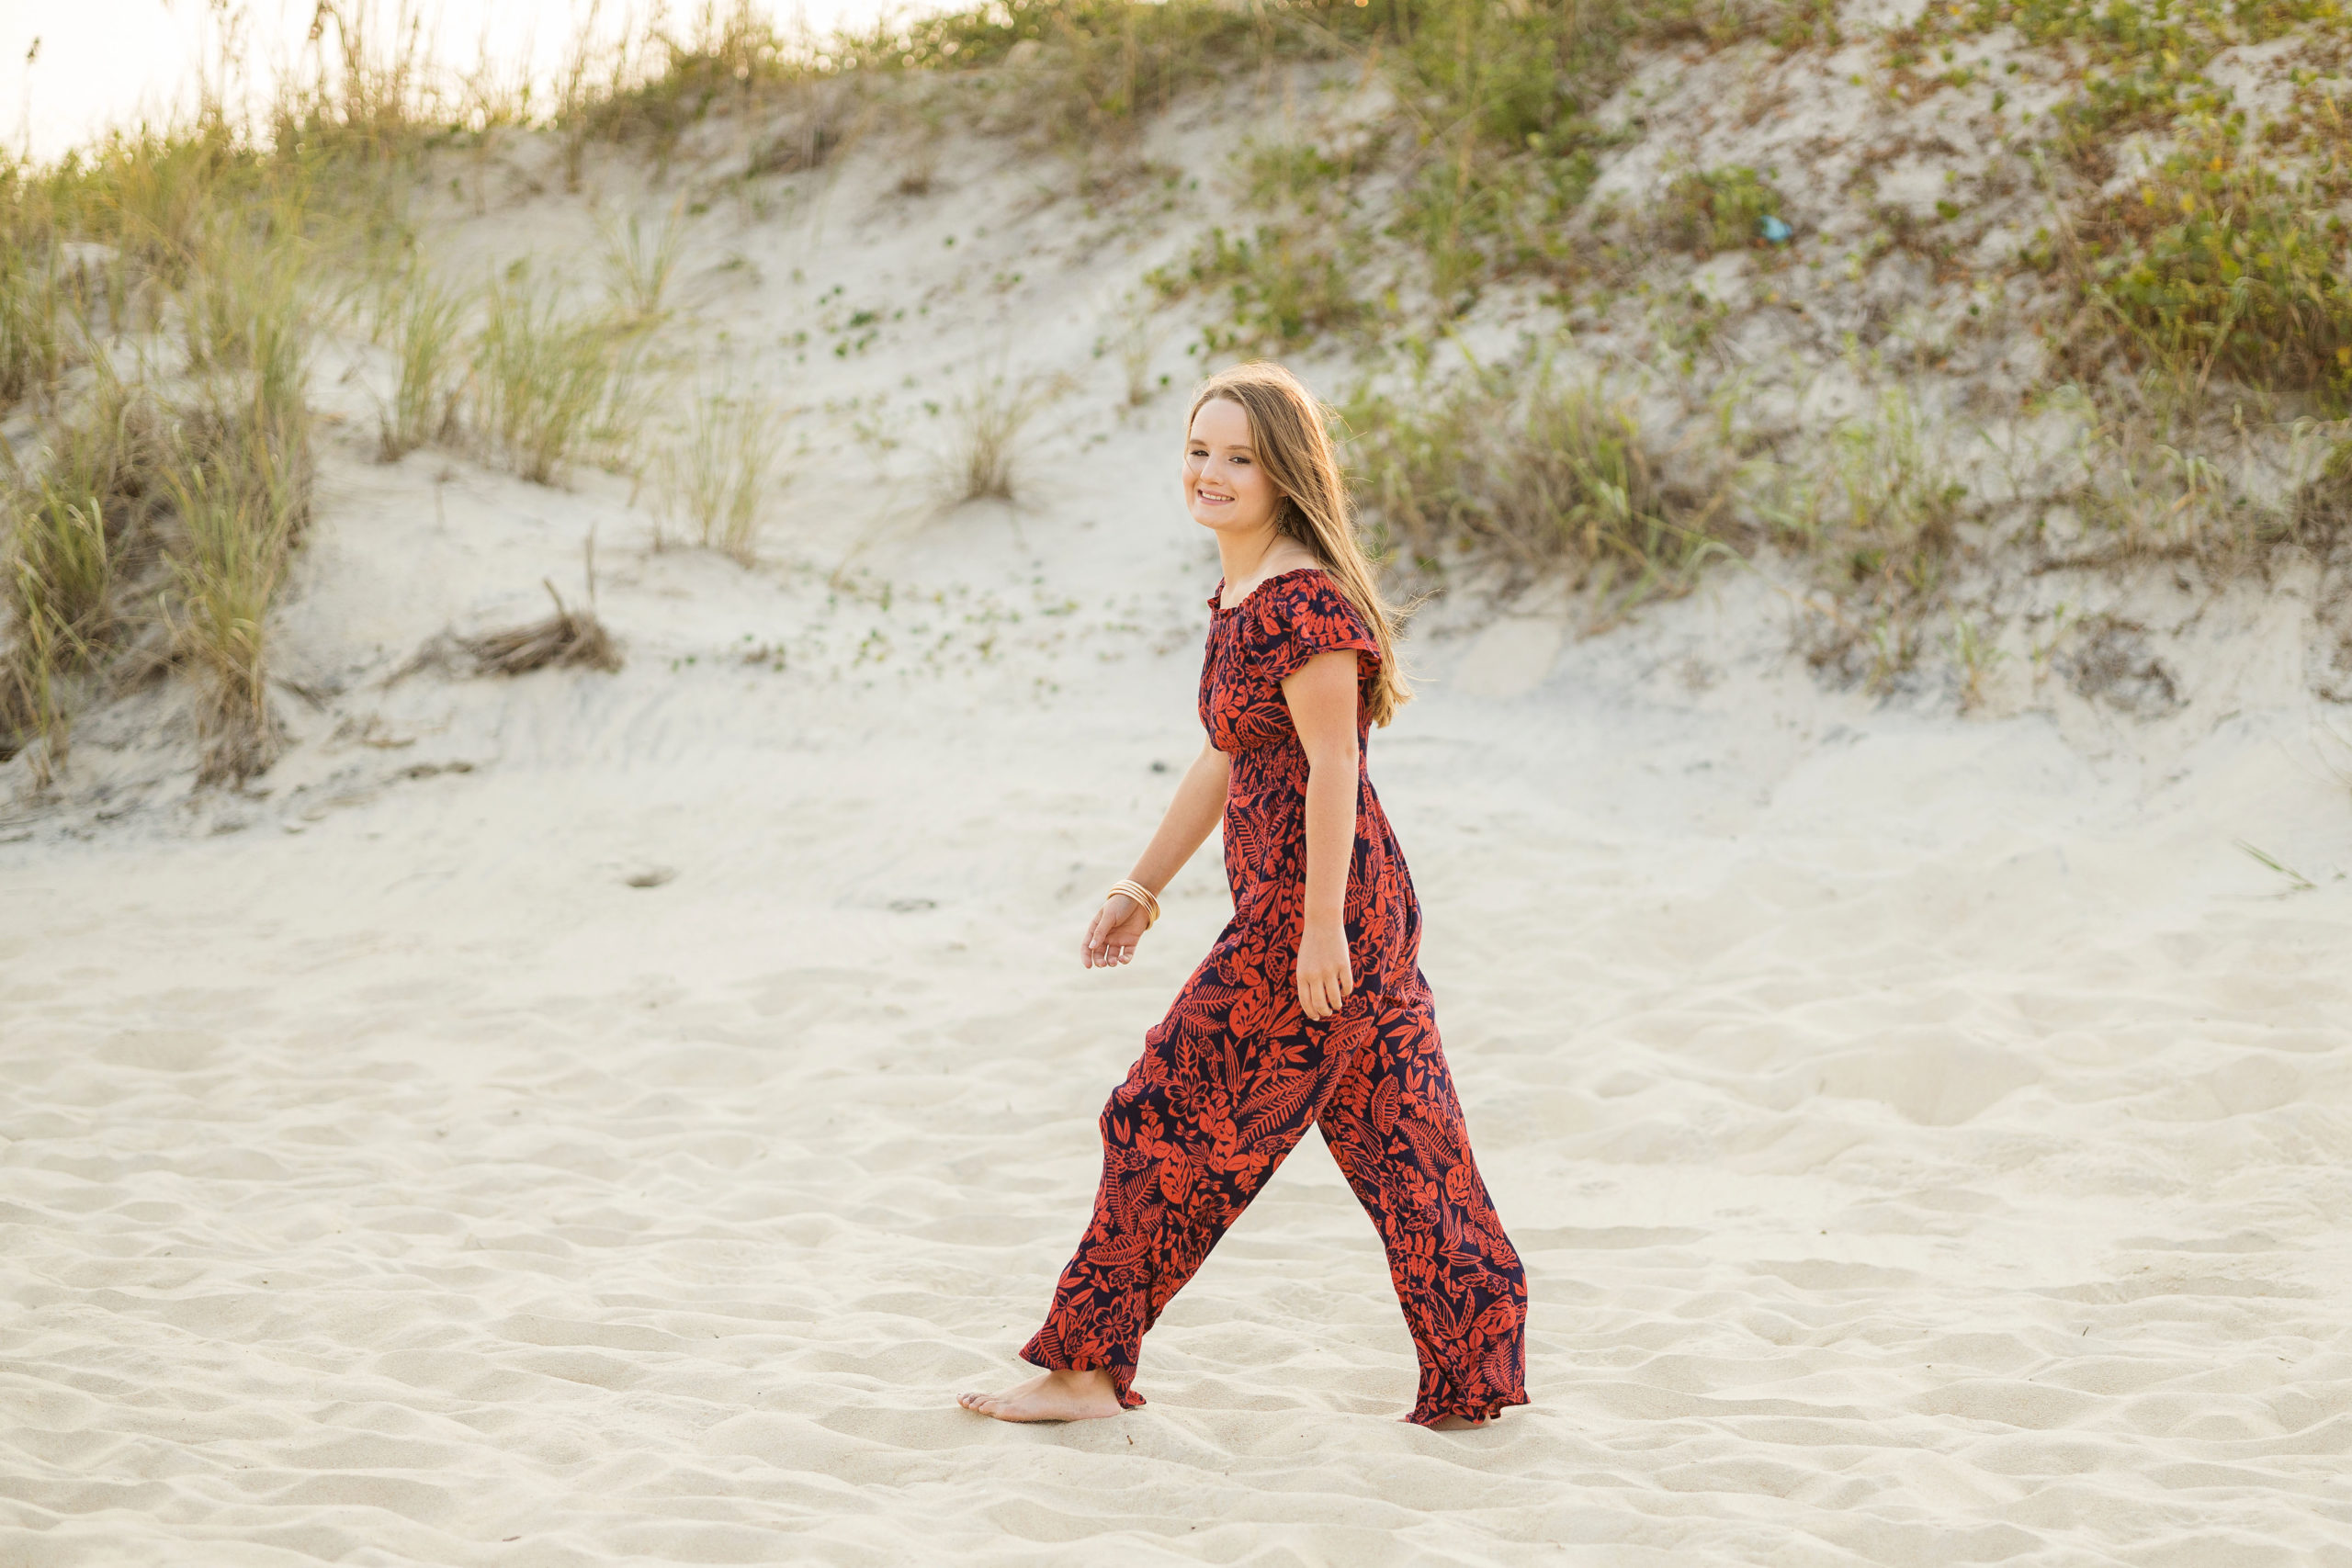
(422, 317)
(987, 423)
(159, 508)
(84, 519)
(717, 478)
(544, 377)
(639, 266)
(35, 313)
(1519, 464)
(239, 478)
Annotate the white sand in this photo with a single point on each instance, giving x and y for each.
(1928, 1135)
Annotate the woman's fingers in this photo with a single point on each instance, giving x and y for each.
(1319, 996)
(1112, 934)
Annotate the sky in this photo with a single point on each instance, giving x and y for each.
(70, 69)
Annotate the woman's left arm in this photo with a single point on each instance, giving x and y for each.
(1321, 694)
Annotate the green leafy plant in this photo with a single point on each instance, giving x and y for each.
(2219, 263)
(1282, 288)
(1707, 210)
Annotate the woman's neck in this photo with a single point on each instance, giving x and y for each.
(1250, 559)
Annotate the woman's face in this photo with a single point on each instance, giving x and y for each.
(1225, 487)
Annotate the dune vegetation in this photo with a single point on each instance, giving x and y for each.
(2127, 233)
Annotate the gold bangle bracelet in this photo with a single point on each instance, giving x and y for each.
(1140, 897)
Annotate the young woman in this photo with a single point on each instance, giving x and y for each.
(1311, 1008)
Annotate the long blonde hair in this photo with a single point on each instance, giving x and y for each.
(1290, 430)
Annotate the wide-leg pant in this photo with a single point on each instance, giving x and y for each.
(1206, 1115)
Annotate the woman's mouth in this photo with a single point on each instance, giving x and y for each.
(1210, 498)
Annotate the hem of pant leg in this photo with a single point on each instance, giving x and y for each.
(1121, 1376)
(1479, 1414)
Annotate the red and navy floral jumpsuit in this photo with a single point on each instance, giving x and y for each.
(1232, 1077)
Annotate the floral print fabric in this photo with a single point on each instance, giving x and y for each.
(1233, 1076)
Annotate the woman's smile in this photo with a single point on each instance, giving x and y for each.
(1240, 497)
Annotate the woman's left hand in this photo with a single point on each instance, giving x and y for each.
(1112, 935)
(1325, 977)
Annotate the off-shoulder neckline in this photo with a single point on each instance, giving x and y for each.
(1223, 609)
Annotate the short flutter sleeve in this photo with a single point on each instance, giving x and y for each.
(1305, 613)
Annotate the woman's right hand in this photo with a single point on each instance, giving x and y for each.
(1111, 938)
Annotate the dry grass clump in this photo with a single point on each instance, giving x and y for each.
(1509, 465)
(988, 422)
(567, 638)
(716, 479)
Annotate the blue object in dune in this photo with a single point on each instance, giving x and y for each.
(1774, 231)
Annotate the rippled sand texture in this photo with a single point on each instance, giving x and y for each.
(1929, 1146)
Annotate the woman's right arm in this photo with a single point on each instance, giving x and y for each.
(1117, 926)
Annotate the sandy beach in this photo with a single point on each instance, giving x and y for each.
(1927, 1140)
(590, 1118)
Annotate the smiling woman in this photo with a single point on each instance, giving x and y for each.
(1310, 1010)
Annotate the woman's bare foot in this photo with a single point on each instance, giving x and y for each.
(1056, 1396)
(1462, 1424)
